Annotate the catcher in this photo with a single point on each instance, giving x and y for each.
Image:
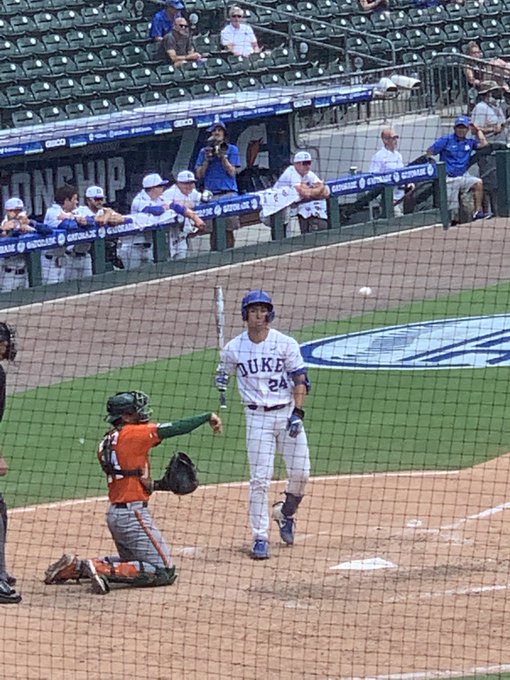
(143, 556)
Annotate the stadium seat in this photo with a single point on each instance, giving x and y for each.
(191, 72)
(133, 55)
(169, 75)
(454, 35)
(417, 38)
(77, 40)
(236, 64)
(410, 58)
(37, 6)
(77, 110)
(205, 44)
(93, 85)
(490, 49)
(9, 72)
(323, 9)
(12, 7)
(20, 24)
(505, 7)
(116, 14)
(272, 80)
(101, 107)
(215, 68)
(294, 77)
(142, 31)
(177, 94)
(18, 96)
(8, 50)
(45, 22)
(56, 5)
(24, 118)
(248, 83)
(361, 22)
(68, 19)
(315, 71)
(347, 8)
(436, 36)
(457, 12)
(52, 114)
(226, 87)
(153, 53)
(153, 98)
(68, 88)
(281, 57)
(124, 34)
(492, 29)
(472, 30)
(36, 69)
(438, 16)
(126, 101)
(101, 37)
(53, 43)
(504, 46)
(119, 81)
(28, 46)
(44, 92)
(89, 16)
(143, 78)
(108, 59)
(86, 62)
(60, 65)
(493, 8)
(202, 90)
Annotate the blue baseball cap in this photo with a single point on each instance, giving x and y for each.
(215, 125)
(177, 4)
(462, 120)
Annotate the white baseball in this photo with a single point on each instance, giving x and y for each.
(414, 523)
(81, 440)
(365, 291)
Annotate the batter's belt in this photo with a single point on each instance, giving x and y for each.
(254, 407)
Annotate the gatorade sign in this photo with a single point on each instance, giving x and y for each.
(470, 342)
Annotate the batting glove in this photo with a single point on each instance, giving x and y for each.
(221, 381)
(295, 422)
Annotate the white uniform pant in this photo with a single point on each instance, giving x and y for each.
(78, 266)
(53, 267)
(177, 244)
(13, 278)
(265, 435)
(135, 254)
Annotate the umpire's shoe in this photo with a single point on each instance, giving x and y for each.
(100, 585)
(8, 595)
(260, 549)
(285, 524)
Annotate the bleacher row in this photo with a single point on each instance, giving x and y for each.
(58, 63)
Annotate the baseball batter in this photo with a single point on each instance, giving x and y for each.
(143, 556)
(273, 384)
(7, 352)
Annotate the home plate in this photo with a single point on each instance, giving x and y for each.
(366, 565)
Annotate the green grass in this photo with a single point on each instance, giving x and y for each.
(357, 421)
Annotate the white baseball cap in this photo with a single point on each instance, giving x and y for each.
(94, 192)
(14, 204)
(154, 180)
(186, 176)
(301, 156)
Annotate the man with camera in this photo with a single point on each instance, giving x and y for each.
(217, 166)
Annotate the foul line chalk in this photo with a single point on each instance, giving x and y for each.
(479, 515)
(428, 675)
(369, 564)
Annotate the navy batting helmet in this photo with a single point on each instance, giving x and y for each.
(8, 335)
(128, 403)
(257, 297)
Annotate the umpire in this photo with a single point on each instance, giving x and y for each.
(7, 352)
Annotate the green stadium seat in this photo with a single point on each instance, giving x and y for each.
(28, 46)
(456, 12)
(44, 92)
(77, 40)
(12, 7)
(126, 101)
(454, 35)
(56, 5)
(133, 55)
(152, 98)
(90, 16)
(142, 31)
(492, 29)
(101, 37)
(169, 75)
(45, 22)
(436, 36)
(438, 16)
(52, 114)
(361, 22)
(8, 50)
(93, 85)
(119, 81)
(258, 63)
(86, 62)
(36, 6)
(77, 110)
(281, 57)
(490, 49)
(116, 14)
(110, 59)
(248, 83)
(236, 64)
(202, 90)
(347, 8)
(68, 88)
(505, 7)
(472, 29)
(9, 72)
(124, 34)
(428, 55)
(53, 43)
(177, 94)
(153, 53)
(21, 24)
(226, 87)
(315, 71)
(382, 22)
(191, 72)
(25, 118)
(417, 38)
(18, 96)
(36, 69)
(493, 8)
(272, 80)
(215, 68)
(101, 107)
(205, 44)
(294, 77)
(143, 78)
(68, 19)
(60, 65)
(4, 28)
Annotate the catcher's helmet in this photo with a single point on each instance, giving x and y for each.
(257, 297)
(8, 335)
(128, 403)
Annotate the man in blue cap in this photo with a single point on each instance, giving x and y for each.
(163, 21)
(217, 166)
(455, 151)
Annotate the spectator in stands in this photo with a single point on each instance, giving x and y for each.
(185, 193)
(60, 215)
(13, 269)
(177, 44)
(388, 159)
(163, 20)
(237, 36)
(217, 166)
(312, 211)
(455, 151)
(374, 5)
(488, 116)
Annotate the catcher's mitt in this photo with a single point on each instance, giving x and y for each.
(180, 475)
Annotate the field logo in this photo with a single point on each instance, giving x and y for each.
(470, 342)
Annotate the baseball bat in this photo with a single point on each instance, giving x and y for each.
(219, 308)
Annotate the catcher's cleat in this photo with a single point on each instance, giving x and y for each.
(99, 584)
(285, 524)
(8, 595)
(11, 580)
(63, 569)
(260, 549)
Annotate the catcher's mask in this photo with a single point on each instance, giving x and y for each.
(257, 297)
(128, 403)
(8, 335)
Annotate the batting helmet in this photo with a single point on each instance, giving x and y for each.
(128, 403)
(257, 297)
(8, 335)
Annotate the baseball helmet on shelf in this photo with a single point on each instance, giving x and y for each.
(128, 403)
(8, 335)
(257, 297)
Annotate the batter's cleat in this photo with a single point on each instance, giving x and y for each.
(100, 585)
(260, 549)
(8, 595)
(285, 524)
(63, 569)
(11, 580)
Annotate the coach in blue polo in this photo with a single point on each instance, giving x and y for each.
(455, 151)
(163, 21)
(217, 166)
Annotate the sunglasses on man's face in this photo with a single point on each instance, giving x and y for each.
(182, 25)
(236, 16)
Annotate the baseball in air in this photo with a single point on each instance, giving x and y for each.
(365, 291)
(414, 523)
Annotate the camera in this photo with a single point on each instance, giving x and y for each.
(216, 148)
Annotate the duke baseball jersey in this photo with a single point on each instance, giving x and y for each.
(263, 369)
(289, 178)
